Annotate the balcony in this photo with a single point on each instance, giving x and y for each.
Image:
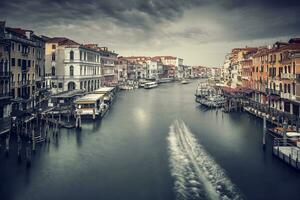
(272, 91)
(24, 53)
(287, 76)
(287, 96)
(4, 75)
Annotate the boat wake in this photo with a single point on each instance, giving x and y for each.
(196, 174)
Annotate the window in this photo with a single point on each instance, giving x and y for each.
(60, 85)
(294, 88)
(13, 46)
(53, 71)
(294, 68)
(29, 63)
(71, 55)
(19, 47)
(19, 62)
(285, 89)
(53, 56)
(71, 70)
(80, 55)
(13, 62)
(53, 46)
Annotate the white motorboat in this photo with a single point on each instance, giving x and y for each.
(184, 81)
(150, 85)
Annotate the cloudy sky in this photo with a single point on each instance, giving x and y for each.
(200, 31)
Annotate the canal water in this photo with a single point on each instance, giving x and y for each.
(156, 144)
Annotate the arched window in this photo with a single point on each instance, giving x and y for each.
(71, 70)
(285, 69)
(289, 69)
(53, 56)
(280, 87)
(1, 65)
(294, 88)
(71, 86)
(53, 71)
(71, 55)
(285, 88)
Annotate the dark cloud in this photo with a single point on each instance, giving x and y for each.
(156, 24)
(143, 14)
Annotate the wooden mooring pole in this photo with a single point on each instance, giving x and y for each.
(264, 131)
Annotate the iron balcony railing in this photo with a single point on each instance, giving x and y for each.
(272, 91)
(4, 74)
(287, 96)
(287, 76)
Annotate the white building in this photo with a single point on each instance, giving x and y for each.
(172, 61)
(152, 69)
(70, 66)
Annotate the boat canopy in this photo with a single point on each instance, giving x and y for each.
(90, 98)
(104, 90)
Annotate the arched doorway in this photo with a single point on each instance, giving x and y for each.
(71, 86)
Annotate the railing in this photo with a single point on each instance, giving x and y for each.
(287, 96)
(272, 91)
(287, 76)
(4, 74)
(25, 53)
(62, 77)
(287, 151)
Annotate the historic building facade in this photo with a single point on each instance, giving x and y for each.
(71, 66)
(5, 94)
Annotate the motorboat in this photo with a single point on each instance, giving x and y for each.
(150, 85)
(184, 81)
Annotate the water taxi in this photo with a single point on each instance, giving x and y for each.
(184, 81)
(150, 85)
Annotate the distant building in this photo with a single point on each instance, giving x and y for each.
(109, 66)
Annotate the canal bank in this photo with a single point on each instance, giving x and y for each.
(126, 155)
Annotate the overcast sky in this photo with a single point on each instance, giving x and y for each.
(199, 31)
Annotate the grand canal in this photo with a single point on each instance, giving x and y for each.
(154, 145)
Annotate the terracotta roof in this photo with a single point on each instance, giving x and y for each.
(164, 57)
(16, 30)
(62, 41)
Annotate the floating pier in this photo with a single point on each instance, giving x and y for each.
(287, 151)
